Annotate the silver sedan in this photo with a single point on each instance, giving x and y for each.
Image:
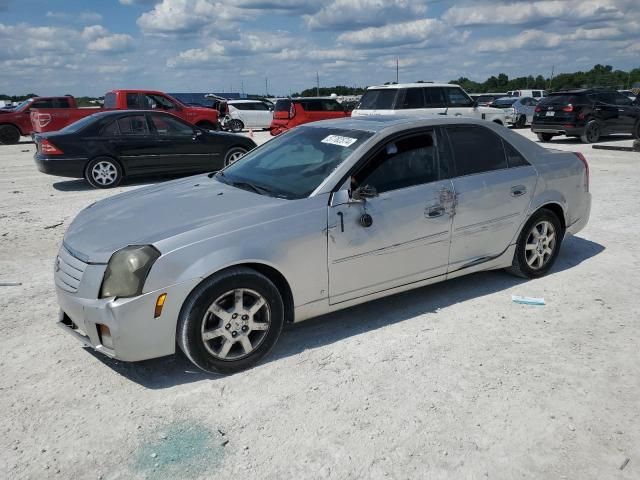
(518, 110)
(329, 215)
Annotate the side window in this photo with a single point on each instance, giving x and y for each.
(260, 106)
(533, 101)
(476, 150)
(457, 98)
(435, 97)
(514, 158)
(110, 129)
(537, 94)
(413, 98)
(621, 99)
(402, 163)
(110, 100)
(166, 125)
(133, 101)
(330, 106)
(134, 125)
(60, 103)
(240, 106)
(42, 104)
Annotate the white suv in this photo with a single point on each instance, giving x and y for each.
(248, 114)
(423, 98)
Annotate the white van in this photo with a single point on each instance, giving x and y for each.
(537, 94)
(248, 114)
(423, 98)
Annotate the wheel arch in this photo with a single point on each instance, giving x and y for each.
(498, 121)
(557, 209)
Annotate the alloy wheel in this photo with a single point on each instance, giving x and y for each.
(235, 156)
(593, 133)
(235, 324)
(104, 173)
(540, 245)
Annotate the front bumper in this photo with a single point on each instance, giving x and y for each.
(135, 333)
(61, 167)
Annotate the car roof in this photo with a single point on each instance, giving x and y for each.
(408, 85)
(378, 123)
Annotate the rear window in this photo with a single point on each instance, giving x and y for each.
(110, 100)
(504, 102)
(382, 99)
(562, 99)
(283, 105)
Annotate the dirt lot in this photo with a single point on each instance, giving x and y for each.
(449, 381)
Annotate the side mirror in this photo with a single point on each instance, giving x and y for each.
(197, 134)
(364, 192)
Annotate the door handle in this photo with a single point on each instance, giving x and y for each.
(435, 212)
(518, 190)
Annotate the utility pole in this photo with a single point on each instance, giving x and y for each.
(317, 84)
(397, 71)
(242, 86)
(553, 67)
(266, 86)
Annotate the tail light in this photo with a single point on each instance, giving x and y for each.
(538, 108)
(292, 110)
(49, 148)
(43, 119)
(568, 108)
(586, 168)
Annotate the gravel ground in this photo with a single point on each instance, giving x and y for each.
(448, 381)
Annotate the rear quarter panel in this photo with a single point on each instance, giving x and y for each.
(54, 119)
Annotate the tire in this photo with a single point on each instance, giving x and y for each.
(217, 342)
(208, 126)
(235, 125)
(103, 172)
(521, 122)
(537, 260)
(9, 135)
(545, 137)
(636, 131)
(233, 155)
(592, 132)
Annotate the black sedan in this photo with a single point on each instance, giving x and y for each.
(106, 147)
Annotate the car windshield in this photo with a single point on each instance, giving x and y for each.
(382, 99)
(504, 102)
(293, 164)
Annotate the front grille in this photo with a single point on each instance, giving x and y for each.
(68, 271)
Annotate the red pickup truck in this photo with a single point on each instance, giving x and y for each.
(16, 121)
(53, 119)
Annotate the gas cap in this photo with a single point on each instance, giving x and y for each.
(366, 220)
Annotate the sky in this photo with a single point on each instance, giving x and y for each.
(86, 47)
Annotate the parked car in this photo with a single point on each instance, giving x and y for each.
(586, 114)
(109, 146)
(16, 121)
(248, 114)
(421, 99)
(486, 99)
(52, 119)
(291, 112)
(518, 110)
(537, 94)
(323, 217)
(628, 93)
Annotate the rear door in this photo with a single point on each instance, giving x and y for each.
(607, 112)
(493, 185)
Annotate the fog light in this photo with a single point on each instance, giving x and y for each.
(159, 305)
(105, 336)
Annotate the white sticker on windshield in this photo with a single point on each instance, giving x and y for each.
(340, 141)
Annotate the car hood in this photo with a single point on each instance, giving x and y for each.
(198, 207)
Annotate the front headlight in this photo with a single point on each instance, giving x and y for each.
(127, 271)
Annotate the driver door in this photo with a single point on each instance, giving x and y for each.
(408, 237)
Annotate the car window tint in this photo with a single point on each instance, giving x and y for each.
(166, 125)
(514, 157)
(260, 106)
(413, 98)
(134, 125)
(400, 164)
(110, 100)
(435, 98)
(620, 99)
(382, 99)
(476, 149)
(42, 104)
(240, 106)
(133, 100)
(457, 98)
(110, 129)
(537, 93)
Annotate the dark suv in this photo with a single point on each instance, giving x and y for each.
(585, 113)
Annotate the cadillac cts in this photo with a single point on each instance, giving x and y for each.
(326, 216)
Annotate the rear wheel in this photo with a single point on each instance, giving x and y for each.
(235, 125)
(592, 132)
(522, 121)
(230, 321)
(9, 135)
(103, 172)
(233, 155)
(545, 137)
(636, 130)
(538, 245)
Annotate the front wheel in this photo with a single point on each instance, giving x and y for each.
(522, 121)
(538, 245)
(233, 155)
(9, 135)
(235, 125)
(230, 321)
(103, 172)
(545, 137)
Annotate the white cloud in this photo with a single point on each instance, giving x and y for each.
(82, 17)
(188, 16)
(116, 43)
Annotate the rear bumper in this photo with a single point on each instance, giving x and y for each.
(557, 129)
(61, 167)
(582, 221)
